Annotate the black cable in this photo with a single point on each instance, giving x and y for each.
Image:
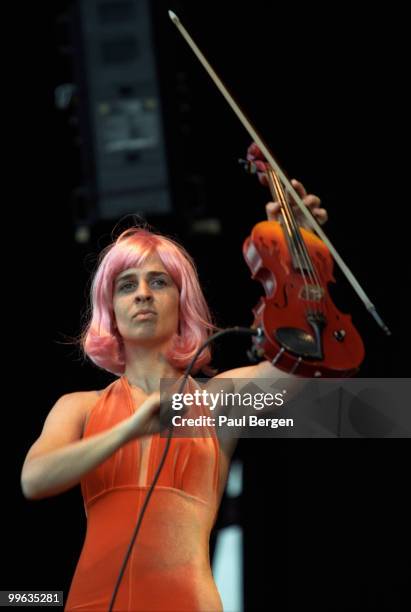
(230, 330)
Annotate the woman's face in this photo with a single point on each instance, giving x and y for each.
(146, 304)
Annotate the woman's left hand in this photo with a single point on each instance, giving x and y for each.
(312, 202)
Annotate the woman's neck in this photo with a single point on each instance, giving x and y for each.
(145, 368)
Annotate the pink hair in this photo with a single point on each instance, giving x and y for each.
(102, 342)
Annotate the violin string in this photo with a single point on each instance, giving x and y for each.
(292, 230)
(310, 296)
(317, 281)
(306, 256)
(278, 194)
(321, 302)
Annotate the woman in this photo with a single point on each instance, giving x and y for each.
(148, 319)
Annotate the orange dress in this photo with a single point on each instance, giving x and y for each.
(169, 566)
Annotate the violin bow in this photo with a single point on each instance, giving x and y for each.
(289, 188)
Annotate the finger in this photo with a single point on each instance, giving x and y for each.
(321, 215)
(154, 397)
(299, 187)
(312, 201)
(273, 210)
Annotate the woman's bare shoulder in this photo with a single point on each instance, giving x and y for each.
(78, 403)
(87, 400)
(65, 422)
(84, 399)
(81, 398)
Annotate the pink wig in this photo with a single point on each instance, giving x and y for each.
(101, 340)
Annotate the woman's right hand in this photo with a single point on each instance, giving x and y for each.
(146, 419)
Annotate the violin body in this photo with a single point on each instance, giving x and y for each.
(303, 331)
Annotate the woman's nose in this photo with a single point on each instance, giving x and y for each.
(144, 293)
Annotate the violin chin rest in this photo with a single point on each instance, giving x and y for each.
(298, 342)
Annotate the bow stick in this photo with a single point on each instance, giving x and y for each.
(288, 186)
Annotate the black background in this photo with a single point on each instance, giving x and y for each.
(325, 521)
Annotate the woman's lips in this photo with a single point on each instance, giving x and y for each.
(142, 316)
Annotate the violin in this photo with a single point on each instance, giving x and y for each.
(300, 330)
(303, 331)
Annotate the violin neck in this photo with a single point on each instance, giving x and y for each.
(277, 191)
(288, 221)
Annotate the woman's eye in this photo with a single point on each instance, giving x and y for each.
(159, 282)
(127, 286)
(155, 282)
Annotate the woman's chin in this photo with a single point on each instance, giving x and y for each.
(147, 338)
